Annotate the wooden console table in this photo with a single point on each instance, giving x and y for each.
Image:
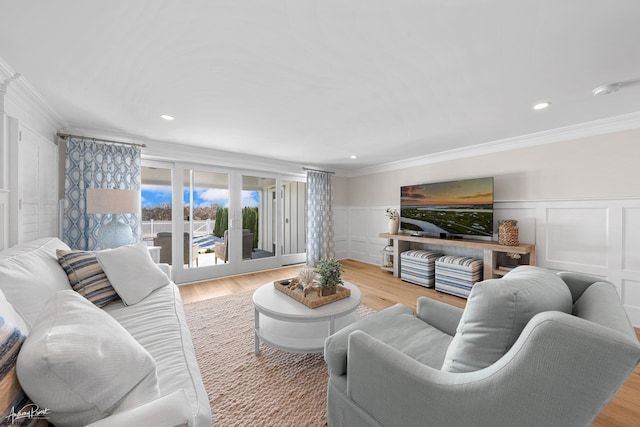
(494, 255)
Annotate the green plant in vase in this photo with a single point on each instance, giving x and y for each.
(329, 271)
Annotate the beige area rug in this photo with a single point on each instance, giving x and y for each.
(274, 388)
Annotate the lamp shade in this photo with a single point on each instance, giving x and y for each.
(112, 201)
(104, 201)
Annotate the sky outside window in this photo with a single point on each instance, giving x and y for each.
(154, 195)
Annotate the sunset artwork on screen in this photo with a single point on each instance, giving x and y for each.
(454, 208)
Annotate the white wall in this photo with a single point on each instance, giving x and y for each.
(578, 201)
(28, 161)
(603, 166)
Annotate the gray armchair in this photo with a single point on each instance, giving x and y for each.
(221, 250)
(519, 354)
(163, 239)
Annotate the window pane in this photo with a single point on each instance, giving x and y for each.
(206, 218)
(258, 217)
(156, 211)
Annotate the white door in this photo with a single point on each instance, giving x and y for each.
(294, 222)
(33, 184)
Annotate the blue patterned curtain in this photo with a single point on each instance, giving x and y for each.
(93, 164)
(320, 242)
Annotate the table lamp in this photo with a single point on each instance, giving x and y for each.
(114, 202)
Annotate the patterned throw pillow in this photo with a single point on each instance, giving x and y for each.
(87, 277)
(15, 407)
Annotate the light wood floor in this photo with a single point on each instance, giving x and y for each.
(381, 290)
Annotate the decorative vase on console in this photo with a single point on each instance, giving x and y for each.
(394, 221)
(508, 232)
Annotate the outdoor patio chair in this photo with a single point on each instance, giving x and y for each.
(221, 250)
(163, 239)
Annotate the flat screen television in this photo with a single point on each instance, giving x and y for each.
(453, 209)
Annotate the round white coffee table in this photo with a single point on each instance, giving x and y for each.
(286, 324)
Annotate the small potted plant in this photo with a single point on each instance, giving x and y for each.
(329, 271)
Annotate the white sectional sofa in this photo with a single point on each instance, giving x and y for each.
(116, 365)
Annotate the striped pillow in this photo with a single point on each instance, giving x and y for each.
(15, 406)
(87, 277)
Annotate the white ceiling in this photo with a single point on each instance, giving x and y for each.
(314, 82)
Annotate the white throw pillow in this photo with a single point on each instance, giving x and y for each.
(496, 313)
(10, 314)
(30, 275)
(132, 272)
(82, 364)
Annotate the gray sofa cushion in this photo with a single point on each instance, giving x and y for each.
(497, 310)
(397, 327)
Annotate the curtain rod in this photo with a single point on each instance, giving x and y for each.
(67, 135)
(317, 170)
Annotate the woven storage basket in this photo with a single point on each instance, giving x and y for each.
(508, 232)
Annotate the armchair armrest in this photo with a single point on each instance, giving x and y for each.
(171, 410)
(439, 314)
(528, 386)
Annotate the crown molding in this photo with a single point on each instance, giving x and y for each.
(582, 130)
(5, 70)
(34, 108)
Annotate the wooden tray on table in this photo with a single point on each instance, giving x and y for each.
(311, 300)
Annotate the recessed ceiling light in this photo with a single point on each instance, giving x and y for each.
(167, 117)
(606, 89)
(542, 105)
(353, 156)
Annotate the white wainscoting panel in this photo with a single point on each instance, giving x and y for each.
(364, 226)
(4, 219)
(600, 237)
(630, 274)
(357, 224)
(340, 231)
(631, 239)
(630, 296)
(577, 236)
(378, 220)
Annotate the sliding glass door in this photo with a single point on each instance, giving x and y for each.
(207, 242)
(227, 221)
(257, 218)
(276, 219)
